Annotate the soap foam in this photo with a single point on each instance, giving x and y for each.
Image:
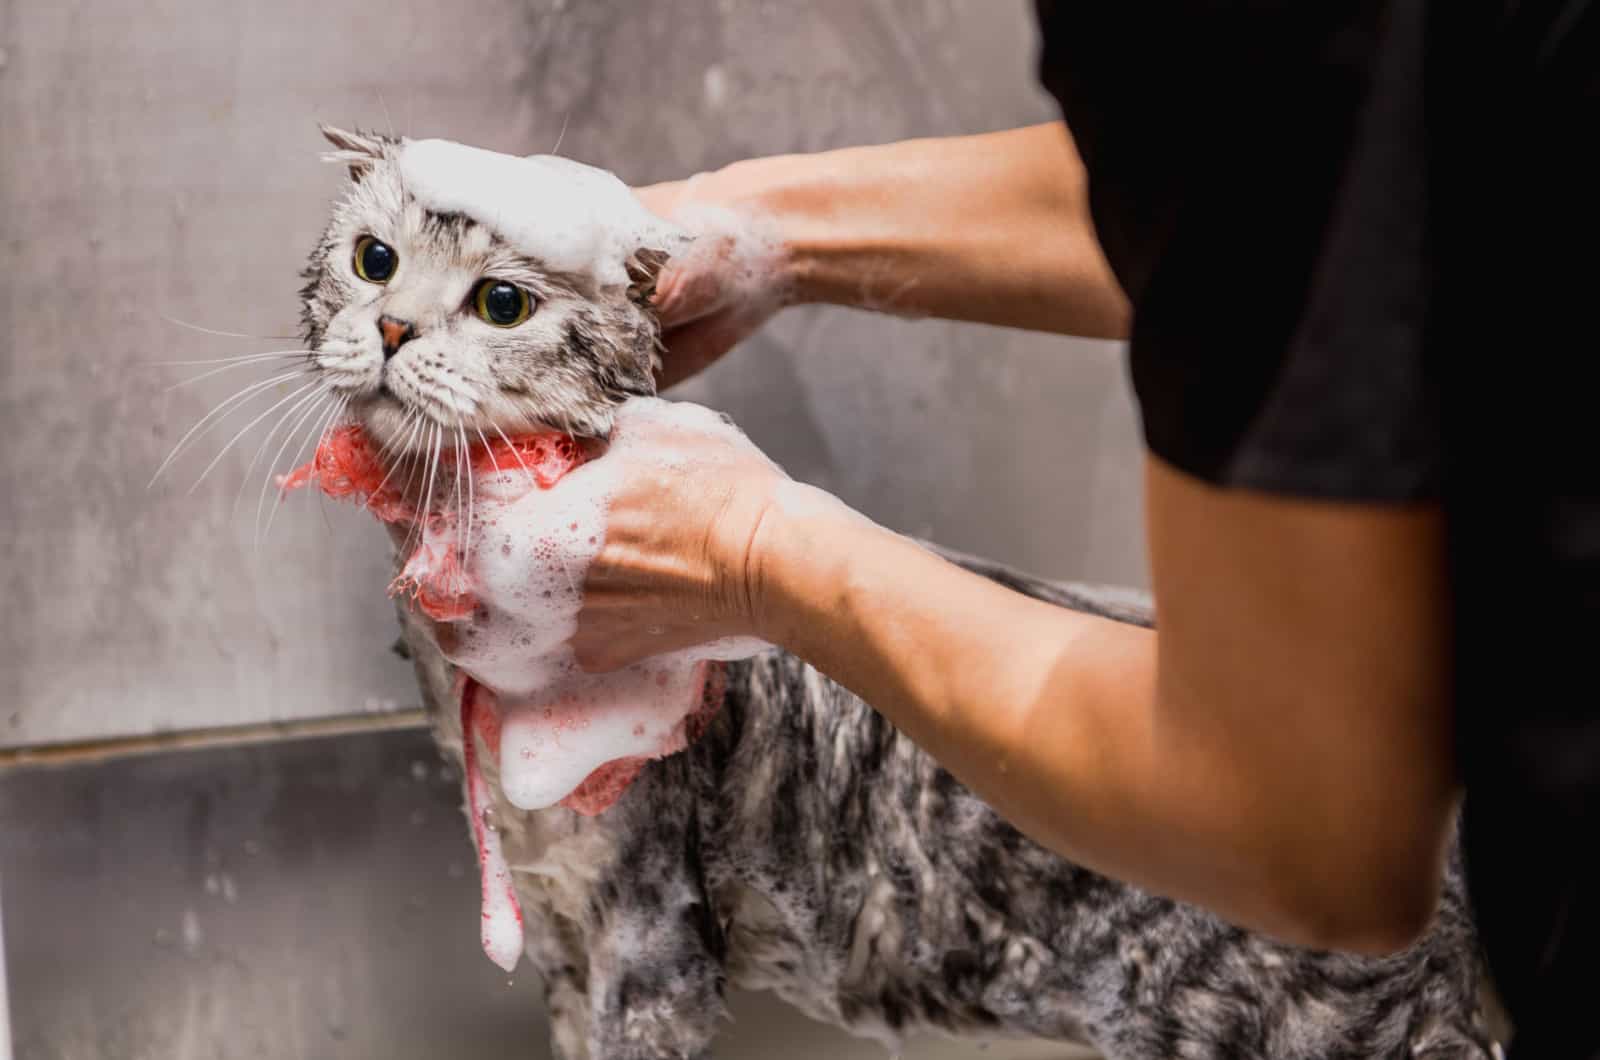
(528, 564)
(501, 928)
(740, 253)
(513, 592)
(571, 217)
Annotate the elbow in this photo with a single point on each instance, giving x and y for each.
(1368, 925)
(1364, 880)
(1371, 902)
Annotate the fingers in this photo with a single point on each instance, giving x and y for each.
(705, 298)
(618, 627)
(683, 294)
(603, 653)
(694, 284)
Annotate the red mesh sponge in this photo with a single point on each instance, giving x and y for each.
(347, 466)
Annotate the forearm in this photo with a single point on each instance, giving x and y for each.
(992, 228)
(1055, 719)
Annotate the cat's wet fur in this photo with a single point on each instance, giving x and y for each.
(804, 845)
(581, 352)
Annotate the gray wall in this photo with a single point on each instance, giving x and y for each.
(160, 159)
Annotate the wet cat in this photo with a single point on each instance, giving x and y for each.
(800, 843)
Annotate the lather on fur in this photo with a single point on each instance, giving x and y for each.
(804, 845)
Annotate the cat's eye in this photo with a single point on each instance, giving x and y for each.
(505, 305)
(375, 261)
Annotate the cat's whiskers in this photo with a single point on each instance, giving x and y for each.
(566, 424)
(325, 417)
(562, 135)
(320, 415)
(321, 436)
(393, 448)
(488, 451)
(244, 480)
(455, 484)
(219, 412)
(533, 481)
(330, 408)
(425, 513)
(514, 452)
(243, 358)
(386, 117)
(414, 459)
(435, 472)
(423, 464)
(245, 362)
(315, 441)
(393, 456)
(222, 334)
(315, 387)
(271, 474)
(466, 458)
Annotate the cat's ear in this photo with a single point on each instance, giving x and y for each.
(358, 150)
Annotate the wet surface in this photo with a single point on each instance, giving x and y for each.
(306, 898)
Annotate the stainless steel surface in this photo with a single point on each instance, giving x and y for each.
(160, 159)
(5, 998)
(297, 899)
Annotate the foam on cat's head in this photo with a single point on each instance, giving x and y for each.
(572, 217)
(574, 238)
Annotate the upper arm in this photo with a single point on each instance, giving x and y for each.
(1305, 646)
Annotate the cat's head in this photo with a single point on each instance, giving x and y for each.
(461, 290)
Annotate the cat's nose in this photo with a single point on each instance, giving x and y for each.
(396, 333)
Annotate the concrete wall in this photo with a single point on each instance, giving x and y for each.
(159, 159)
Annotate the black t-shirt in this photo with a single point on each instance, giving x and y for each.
(1359, 242)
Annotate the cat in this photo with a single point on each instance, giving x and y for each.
(801, 844)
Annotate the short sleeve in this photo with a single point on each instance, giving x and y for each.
(1257, 178)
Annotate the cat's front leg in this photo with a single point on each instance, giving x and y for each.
(656, 948)
(553, 949)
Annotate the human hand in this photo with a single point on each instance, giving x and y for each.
(655, 534)
(687, 496)
(649, 549)
(731, 280)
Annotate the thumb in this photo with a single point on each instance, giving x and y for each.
(687, 290)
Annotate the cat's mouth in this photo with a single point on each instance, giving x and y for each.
(402, 428)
